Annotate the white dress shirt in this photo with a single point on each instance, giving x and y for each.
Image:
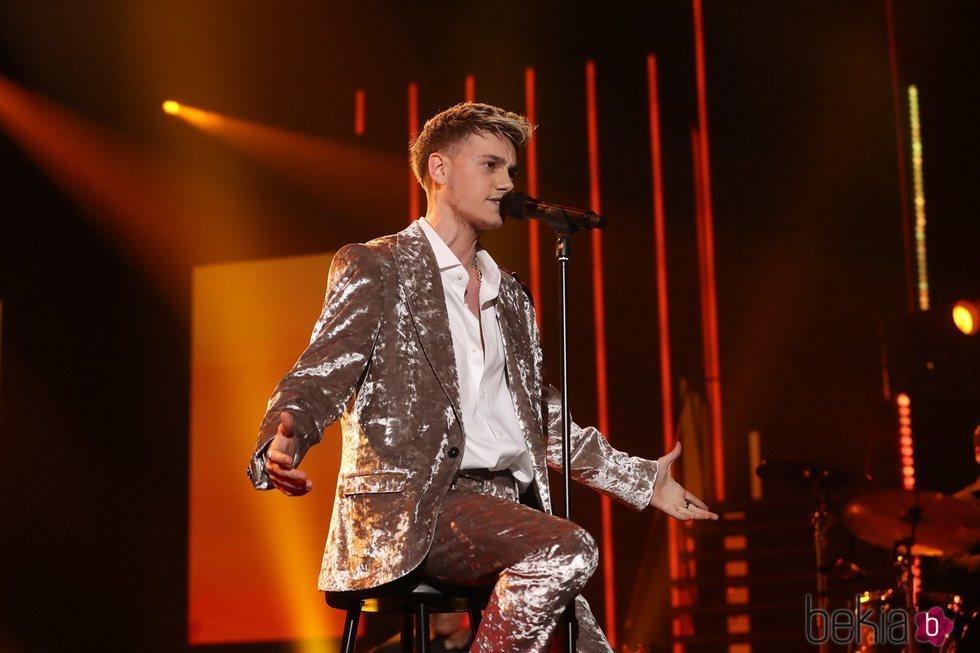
(493, 435)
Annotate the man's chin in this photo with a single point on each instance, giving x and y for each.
(494, 222)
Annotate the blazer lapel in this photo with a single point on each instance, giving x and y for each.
(521, 375)
(427, 305)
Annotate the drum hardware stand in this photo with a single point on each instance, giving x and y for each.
(820, 520)
(904, 561)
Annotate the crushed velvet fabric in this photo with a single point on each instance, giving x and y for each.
(381, 360)
(536, 562)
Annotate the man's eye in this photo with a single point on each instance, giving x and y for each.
(491, 164)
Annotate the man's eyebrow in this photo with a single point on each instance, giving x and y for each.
(511, 170)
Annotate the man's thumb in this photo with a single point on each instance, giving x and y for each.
(286, 424)
(674, 453)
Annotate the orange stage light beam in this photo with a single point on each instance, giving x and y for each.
(711, 356)
(126, 194)
(599, 314)
(470, 88)
(533, 228)
(341, 175)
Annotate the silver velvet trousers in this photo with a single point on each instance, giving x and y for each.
(536, 562)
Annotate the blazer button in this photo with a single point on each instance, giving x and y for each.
(453, 452)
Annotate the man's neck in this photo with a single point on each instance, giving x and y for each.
(461, 238)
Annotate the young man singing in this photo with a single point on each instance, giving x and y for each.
(429, 355)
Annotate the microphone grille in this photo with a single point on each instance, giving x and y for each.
(512, 205)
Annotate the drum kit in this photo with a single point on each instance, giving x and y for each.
(911, 524)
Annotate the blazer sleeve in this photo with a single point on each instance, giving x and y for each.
(595, 462)
(321, 383)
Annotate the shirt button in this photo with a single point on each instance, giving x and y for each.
(453, 452)
(473, 349)
(459, 276)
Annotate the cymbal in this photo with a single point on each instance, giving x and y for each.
(884, 517)
(809, 472)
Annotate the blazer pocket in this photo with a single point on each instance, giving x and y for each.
(377, 482)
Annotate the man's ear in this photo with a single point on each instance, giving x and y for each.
(438, 168)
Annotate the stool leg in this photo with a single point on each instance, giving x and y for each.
(421, 629)
(350, 628)
(476, 615)
(408, 630)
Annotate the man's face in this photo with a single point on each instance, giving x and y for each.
(477, 175)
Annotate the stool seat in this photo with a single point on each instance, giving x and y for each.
(415, 601)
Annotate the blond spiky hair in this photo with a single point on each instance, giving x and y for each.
(444, 130)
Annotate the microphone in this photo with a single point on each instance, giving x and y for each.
(522, 206)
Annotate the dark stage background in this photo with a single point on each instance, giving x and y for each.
(95, 371)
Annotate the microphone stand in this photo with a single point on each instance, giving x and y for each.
(565, 221)
(563, 251)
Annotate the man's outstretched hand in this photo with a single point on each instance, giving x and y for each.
(279, 461)
(671, 497)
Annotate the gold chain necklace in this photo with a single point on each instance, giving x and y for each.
(476, 266)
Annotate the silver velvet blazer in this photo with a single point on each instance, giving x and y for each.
(381, 360)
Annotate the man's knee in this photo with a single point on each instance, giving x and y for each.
(577, 556)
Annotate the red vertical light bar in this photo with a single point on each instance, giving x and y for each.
(599, 313)
(905, 444)
(711, 362)
(684, 625)
(699, 223)
(359, 112)
(413, 132)
(660, 251)
(534, 235)
(903, 184)
(907, 451)
(470, 88)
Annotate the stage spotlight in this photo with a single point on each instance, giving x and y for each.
(966, 315)
(171, 107)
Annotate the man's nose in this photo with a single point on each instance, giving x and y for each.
(505, 183)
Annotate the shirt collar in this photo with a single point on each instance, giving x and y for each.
(446, 260)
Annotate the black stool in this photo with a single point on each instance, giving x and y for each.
(415, 602)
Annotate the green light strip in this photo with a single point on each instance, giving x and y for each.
(919, 196)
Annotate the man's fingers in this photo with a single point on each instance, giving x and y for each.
(292, 490)
(701, 513)
(284, 472)
(697, 502)
(697, 508)
(292, 482)
(282, 459)
(693, 512)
